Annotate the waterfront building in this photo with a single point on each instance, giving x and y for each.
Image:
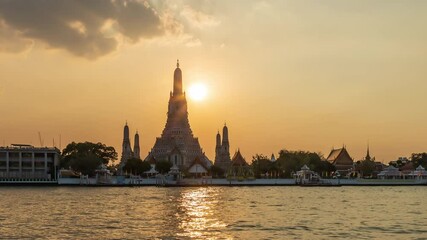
(198, 168)
(341, 159)
(222, 150)
(306, 176)
(177, 143)
(390, 172)
(22, 161)
(239, 168)
(418, 173)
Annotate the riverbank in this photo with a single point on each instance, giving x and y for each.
(130, 182)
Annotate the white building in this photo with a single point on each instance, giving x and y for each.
(21, 161)
(390, 172)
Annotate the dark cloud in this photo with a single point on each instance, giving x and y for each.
(86, 28)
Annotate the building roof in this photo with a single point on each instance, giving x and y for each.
(238, 159)
(337, 153)
(25, 147)
(198, 161)
(420, 168)
(193, 166)
(305, 167)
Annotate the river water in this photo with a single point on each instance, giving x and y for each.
(213, 213)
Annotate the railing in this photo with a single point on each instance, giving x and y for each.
(24, 175)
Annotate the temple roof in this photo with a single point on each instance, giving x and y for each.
(336, 153)
(238, 159)
(198, 161)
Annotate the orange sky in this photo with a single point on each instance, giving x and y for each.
(301, 75)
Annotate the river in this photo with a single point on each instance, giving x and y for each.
(213, 213)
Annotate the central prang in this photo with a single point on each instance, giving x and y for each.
(177, 143)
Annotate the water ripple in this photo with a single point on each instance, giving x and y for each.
(213, 213)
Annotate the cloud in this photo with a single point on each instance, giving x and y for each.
(198, 19)
(11, 41)
(85, 28)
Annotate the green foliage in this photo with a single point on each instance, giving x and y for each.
(163, 166)
(290, 162)
(216, 171)
(366, 167)
(86, 157)
(261, 164)
(419, 159)
(397, 164)
(136, 166)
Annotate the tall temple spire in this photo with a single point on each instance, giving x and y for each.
(136, 149)
(368, 157)
(222, 150)
(177, 81)
(218, 140)
(177, 143)
(126, 147)
(225, 142)
(126, 132)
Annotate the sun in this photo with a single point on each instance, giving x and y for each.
(197, 91)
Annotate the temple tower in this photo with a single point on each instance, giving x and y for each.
(136, 149)
(177, 143)
(368, 156)
(126, 147)
(225, 142)
(177, 80)
(222, 150)
(218, 144)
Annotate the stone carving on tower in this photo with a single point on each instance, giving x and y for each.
(177, 143)
(222, 150)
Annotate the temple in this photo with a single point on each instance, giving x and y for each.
(239, 169)
(177, 143)
(222, 150)
(127, 152)
(341, 159)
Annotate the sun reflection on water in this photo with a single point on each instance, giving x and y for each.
(198, 215)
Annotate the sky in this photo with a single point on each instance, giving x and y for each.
(297, 75)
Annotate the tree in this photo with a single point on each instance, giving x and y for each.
(136, 166)
(216, 171)
(366, 167)
(163, 166)
(261, 164)
(86, 157)
(290, 162)
(419, 159)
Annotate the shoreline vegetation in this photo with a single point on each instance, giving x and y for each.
(94, 164)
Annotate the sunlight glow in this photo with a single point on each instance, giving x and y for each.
(197, 91)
